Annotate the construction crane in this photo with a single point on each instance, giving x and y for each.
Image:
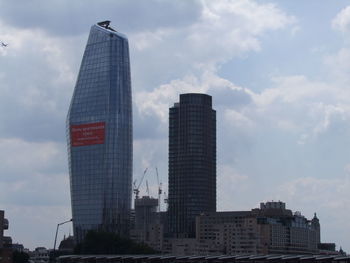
(159, 189)
(136, 188)
(166, 200)
(147, 189)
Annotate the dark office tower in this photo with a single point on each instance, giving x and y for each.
(99, 133)
(192, 162)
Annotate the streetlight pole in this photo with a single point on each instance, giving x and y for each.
(58, 225)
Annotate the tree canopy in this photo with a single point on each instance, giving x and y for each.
(101, 242)
(20, 257)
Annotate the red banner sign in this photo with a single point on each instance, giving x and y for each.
(87, 134)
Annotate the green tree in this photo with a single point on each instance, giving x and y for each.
(101, 242)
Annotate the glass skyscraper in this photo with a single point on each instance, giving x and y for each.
(99, 135)
(192, 162)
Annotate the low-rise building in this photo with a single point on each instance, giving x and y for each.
(40, 255)
(267, 230)
(236, 231)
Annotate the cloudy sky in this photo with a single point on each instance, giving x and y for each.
(278, 71)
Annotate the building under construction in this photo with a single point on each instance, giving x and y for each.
(148, 226)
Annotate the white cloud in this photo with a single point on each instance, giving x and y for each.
(342, 20)
(158, 101)
(256, 17)
(225, 29)
(338, 65)
(301, 106)
(291, 89)
(19, 157)
(237, 119)
(231, 185)
(314, 190)
(147, 39)
(287, 125)
(330, 115)
(294, 104)
(52, 58)
(37, 80)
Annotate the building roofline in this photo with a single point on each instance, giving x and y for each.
(104, 26)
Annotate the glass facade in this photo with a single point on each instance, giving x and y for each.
(192, 162)
(99, 135)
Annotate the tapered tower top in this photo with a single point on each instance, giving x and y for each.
(105, 24)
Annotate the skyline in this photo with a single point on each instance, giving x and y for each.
(277, 71)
